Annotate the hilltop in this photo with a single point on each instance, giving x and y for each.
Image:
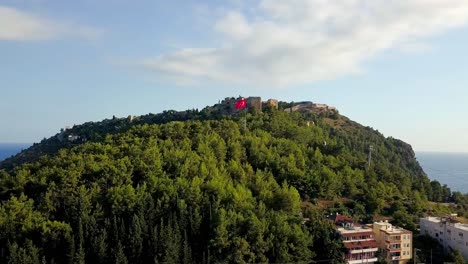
(96, 131)
(209, 186)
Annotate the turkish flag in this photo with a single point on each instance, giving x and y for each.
(242, 103)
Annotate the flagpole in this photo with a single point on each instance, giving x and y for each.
(245, 119)
(242, 103)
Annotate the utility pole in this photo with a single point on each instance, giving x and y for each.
(369, 158)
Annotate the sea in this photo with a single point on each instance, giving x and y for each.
(9, 149)
(447, 168)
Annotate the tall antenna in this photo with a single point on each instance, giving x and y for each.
(369, 158)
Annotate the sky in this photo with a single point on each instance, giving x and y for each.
(397, 66)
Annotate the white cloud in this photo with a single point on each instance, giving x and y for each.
(416, 47)
(234, 25)
(16, 25)
(302, 41)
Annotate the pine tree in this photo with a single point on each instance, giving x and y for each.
(135, 240)
(170, 241)
(29, 254)
(71, 251)
(154, 244)
(100, 246)
(13, 252)
(80, 253)
(186, 253)
(120, 257)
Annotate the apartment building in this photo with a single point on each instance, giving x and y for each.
(359, 240)
(395, 243)
(451, 234)
(360, 243)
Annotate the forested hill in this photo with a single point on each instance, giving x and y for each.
(199, 187)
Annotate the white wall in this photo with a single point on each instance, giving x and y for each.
(448, 234)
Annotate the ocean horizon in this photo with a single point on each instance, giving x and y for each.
(449, 168)
(10, 149)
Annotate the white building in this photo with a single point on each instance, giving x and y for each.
(451, 234)
(73, 138)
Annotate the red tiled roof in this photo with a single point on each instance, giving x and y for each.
(340, 218)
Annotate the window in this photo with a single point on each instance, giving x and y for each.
(460, 234)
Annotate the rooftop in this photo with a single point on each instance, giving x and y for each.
(450, 220)
(461, 226)
(396, 230)
(354, 229)
(391, 229)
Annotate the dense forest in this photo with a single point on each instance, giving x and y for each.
(200, 187)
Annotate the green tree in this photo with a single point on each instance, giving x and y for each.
(457, 257)
(80, 251)
(135, 240)
(120, 257)
(29, 254)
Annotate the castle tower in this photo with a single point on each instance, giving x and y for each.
(255, 103)
(273, 103)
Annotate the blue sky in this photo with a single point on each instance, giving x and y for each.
(397, 66)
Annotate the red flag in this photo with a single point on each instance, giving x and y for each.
(242, 103)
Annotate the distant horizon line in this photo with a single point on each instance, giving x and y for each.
(16, 143)
(441, 152)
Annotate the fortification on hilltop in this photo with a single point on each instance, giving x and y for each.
(273, 103)
(256, 105)
(308, 106)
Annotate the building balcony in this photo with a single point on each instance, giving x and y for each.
(361, 244)
(362, 261)
(357, 251)
(361, 240)
(393, 249)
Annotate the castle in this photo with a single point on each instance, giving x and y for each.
(255, 104)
